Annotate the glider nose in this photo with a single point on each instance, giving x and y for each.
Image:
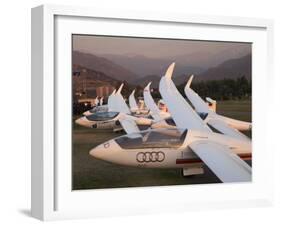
(97, 152)
(80, 121)
(109, 151)
(100, 151)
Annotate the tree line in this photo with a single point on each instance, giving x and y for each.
(226, 89)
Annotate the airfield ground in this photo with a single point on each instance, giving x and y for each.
(91, 173)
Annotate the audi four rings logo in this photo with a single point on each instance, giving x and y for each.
(153, 156)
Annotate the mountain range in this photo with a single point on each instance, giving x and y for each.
(232, 69)
(86, 79)
(103, 65)
(128, 69)
(143, 66)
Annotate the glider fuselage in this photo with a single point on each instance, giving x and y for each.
(164, 148)
(108, 120)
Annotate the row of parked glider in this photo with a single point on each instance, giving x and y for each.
(185, 137)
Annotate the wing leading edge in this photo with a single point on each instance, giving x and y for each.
(184, 116)
(149, 102)
(129, 125)
(222, 127)
(119, 103)
(225, 164)
(195, 99)
(132, 102)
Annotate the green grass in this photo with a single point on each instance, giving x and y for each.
(236, 109)
(91, 173)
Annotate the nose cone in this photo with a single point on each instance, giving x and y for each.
(83, 122)
(103, 151)
(98, 152)
(79, 121)
(108, 151)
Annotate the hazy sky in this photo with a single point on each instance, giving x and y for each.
(154, 48)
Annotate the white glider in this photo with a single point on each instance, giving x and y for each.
(117, 117)
(187, 148)
(103, 108)
(179, 107)
(175, 148)
(119, 103)
(99, 107)
(212, 118)
(161, 119)
(149, 102)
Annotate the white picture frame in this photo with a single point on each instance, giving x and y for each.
(52, 197)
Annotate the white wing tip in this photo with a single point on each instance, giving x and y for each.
(113, 93)
(133, 92)
(189, 81)
(120, 89)
(147, 86)
(210, 100)
(170, 70)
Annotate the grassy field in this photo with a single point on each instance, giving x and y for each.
(91, 173)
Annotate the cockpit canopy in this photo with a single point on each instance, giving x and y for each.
(98, 109)
(102, 116)
(164, 138)
(93, 110)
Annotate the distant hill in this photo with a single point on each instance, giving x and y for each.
(139, 70)
(145, 66)
(103, 65)
(180, 74)
(86, 79)
(230, 69)
(92, 74)
(233, 68)
(101, 71)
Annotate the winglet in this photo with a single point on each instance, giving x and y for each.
(113, 92)
(120, 89)
(133, 92)
(147, 88)
(170, 71)
(210, 100)
(189, 81)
